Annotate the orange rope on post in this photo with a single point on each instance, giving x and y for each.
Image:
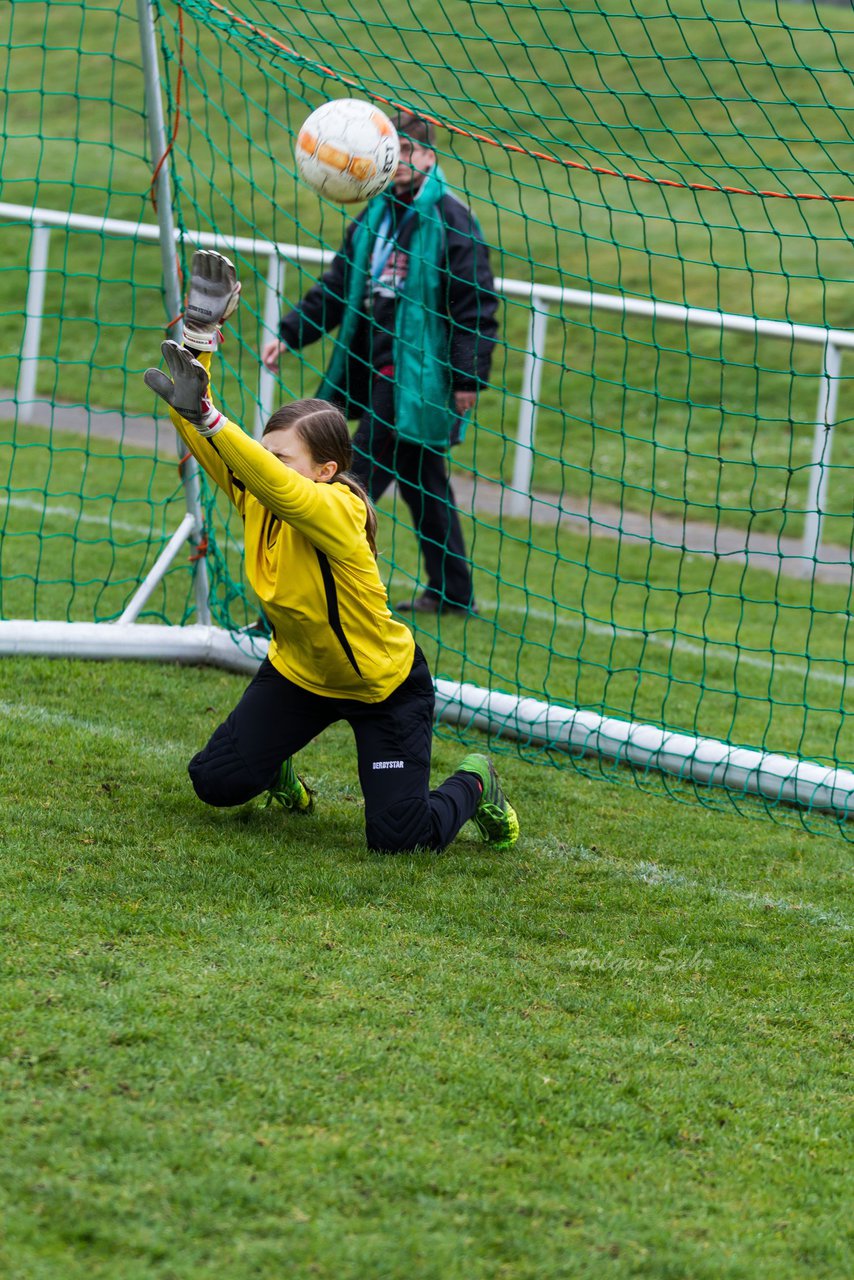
(601, 170)
(201, 548)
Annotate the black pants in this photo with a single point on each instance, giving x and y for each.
(276, 718)
(381, 456)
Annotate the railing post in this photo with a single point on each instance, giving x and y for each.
(269, 329)
(519, 501)
(25, 393)
(171, 282)
(828, 393)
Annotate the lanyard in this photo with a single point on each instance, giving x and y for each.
(384, 243)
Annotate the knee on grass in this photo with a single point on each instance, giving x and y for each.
(221, 791)
(403, 828)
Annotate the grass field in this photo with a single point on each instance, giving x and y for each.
(235, 1044)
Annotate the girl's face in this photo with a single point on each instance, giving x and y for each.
(288, 446)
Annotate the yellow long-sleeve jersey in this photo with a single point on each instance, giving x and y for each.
(310, 564)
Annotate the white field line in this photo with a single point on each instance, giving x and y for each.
(93, 729)
(713, 649)
(92, 517)
(710, 651)
(84, 517)
(655, 876)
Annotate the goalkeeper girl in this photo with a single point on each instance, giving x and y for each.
(336, 652)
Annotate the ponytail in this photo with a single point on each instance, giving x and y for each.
(347, 477)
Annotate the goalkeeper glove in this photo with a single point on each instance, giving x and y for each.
(187, 390)
(213, 296)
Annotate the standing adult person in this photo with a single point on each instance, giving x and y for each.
(412, 296)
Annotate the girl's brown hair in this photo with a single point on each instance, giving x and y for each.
(323, 430)
(412, 126)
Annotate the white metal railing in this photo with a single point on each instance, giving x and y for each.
(540, 296)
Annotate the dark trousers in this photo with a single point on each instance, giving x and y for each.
(380, 457)
(276, 718)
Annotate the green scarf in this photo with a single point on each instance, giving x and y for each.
(424, 409)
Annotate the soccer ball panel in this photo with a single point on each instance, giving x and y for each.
(347, 150)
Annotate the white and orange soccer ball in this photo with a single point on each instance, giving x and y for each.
(347, 150)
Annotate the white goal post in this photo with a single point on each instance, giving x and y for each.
(707, 761)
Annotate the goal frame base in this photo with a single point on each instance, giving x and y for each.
(706, 761)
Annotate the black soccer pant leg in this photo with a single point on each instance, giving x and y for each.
(380, 457)
(272, 721)
(394, 740)
(373, 443)
(426, 488)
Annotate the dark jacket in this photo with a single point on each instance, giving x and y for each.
(470, 306)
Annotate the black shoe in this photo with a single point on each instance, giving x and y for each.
(428, 603)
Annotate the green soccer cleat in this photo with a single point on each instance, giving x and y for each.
(290, 791)
(495, 819)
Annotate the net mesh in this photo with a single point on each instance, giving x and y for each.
(655, 553)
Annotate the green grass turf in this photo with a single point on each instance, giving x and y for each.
(235, 1043)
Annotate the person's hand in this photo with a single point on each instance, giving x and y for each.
(186, 391)
(271, 351)
(464, 401)
(212, 297)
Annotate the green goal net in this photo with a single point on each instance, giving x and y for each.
(656, 491)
